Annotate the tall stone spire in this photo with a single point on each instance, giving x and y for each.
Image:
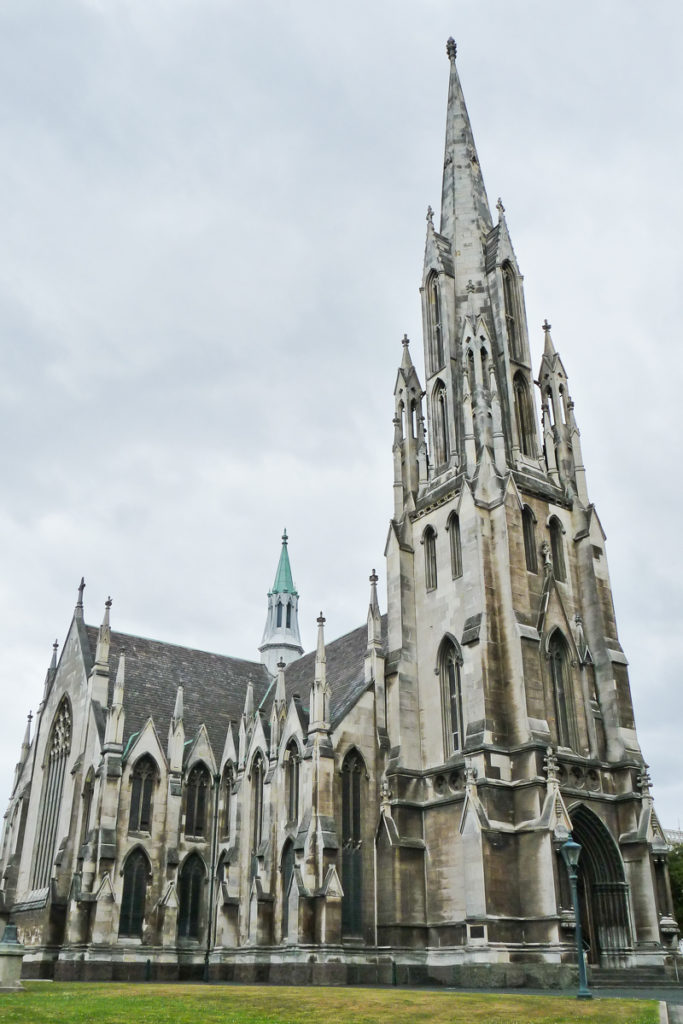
(281, 640)
(465, 212)
(320, 693)
(99, 677)
(561, 434)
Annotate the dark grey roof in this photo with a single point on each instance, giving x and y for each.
(214, 686)
(345, 660)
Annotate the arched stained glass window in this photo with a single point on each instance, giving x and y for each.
(196, 801)
(353, 774)
(228, 783)
(54, 770)
(526, 430)
(143, 778)
(135, 876)
(190, 892)
(456, 546)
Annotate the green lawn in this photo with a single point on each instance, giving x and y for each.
(73, 1003)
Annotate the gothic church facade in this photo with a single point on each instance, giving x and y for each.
(391, 805)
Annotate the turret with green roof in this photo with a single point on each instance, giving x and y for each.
(281, 640)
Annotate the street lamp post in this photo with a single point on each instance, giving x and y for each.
(571, 852)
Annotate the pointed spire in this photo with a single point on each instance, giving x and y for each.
(178, 708)
(319, 706)
(549, 350)
(26, 743)
(406, 361)
(464, 203)
(120, 682)
(281, 639)
(78, 612)
(374, 616)
(280, 691)
(284, 584)
(104, 638)
(248, 712)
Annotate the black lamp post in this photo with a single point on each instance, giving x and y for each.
(571, 852)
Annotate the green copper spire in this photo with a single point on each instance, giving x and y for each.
(284, 584)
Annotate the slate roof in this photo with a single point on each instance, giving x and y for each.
(214, 686)
(345, 672)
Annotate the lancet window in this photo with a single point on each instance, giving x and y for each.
(451, 697)
(257, 779)
(136, 873)
(143, 778)
(190, 889)
(440, 447)
(456, 546)
(557, 549)
(529, 530)
(228, 782)
(353, 771)
(560, 672)
(435, 326)
(511, 303)
(196, 802)
(292, 763)
(429, 542)
(54, 770)
(524, 416)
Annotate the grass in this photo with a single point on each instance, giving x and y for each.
(106, 1003)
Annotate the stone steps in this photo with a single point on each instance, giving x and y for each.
(633, 977)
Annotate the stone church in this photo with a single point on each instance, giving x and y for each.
(390, 806)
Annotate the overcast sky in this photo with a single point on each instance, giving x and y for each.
(213, 219)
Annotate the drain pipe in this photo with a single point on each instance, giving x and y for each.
(212, 875)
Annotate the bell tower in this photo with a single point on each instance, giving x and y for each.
(281, 640)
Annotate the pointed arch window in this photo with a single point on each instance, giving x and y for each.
(511, 303)
(289, 616)
(435, 327)
(257, 779)
(54, 770)
(557, 549)
(87, 795)
(529, 531)
(136, 874)
(440, 424)
(292, 763)
(429, 542)
(453, 528)
(190, 891)
(523, 415)
(353, 772)
(279, 614)
(227, 784)
(451, 697)
(561, 675)
(196, 802)
(287, 870)
(143, 779)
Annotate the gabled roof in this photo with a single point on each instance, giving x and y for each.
(214, 686)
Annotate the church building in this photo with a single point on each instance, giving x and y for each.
(392, 805)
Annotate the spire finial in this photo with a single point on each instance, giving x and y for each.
(451, 48)
(55, 648)
(500, 207)
(430, 215)
(321, 620)
(405, 341)
(284, 535)
(546, 326)
(81, 588)
(374, 578)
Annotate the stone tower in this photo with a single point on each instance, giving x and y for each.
(281, 640)
(502, 640)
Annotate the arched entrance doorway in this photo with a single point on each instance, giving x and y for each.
(603, 891)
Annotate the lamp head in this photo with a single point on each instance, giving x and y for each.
(571, 852)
